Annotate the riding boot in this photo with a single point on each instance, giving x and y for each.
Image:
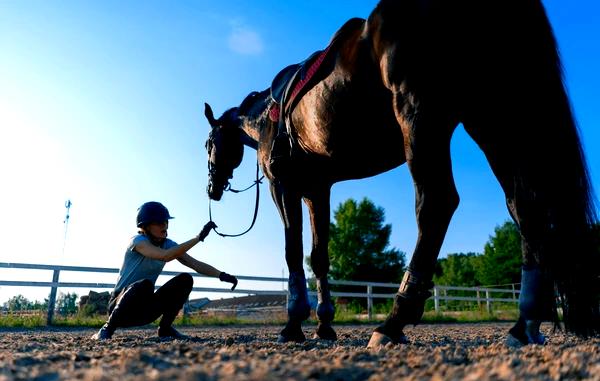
(170, 333)
(118, 313)
(105, 333)
(165, 327)
(171, 299)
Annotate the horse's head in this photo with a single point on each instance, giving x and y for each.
(225, 149)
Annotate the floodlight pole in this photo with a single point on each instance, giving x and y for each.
(68, 205)
(55, 275)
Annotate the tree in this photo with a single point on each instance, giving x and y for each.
(358, 244)
(66, 304)
(17, 303)
(502, 258)
(458, 269)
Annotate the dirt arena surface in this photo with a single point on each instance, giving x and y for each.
(437, 352)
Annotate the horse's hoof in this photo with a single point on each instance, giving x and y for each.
(379, 339)
(325, 332)
(525, 332)
(294, 335)
(286, 339)
(513, 342)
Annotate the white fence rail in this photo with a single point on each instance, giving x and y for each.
(440, 293)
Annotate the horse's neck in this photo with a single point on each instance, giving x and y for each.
(251, 134)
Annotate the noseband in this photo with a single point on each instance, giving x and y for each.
(228, 188)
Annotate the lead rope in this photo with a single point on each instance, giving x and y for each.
(256, 183)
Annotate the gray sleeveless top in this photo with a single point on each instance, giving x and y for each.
(137, 267)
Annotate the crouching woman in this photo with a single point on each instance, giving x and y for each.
(134, 301)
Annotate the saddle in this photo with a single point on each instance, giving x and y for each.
(285, 88)
(288, 87)
(290, 75)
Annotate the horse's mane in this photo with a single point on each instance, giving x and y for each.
(248, 105)
(348, 27)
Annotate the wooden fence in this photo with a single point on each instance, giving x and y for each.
(480, 295)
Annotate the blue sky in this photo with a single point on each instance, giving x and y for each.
(102, 103)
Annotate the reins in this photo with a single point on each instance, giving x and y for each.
(228, 188)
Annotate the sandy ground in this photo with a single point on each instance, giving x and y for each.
(437, 352)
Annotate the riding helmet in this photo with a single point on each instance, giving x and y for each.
(152, 212)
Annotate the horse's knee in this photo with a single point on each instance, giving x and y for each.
(440, 201)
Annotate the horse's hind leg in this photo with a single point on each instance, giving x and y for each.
(536, 296)
(318, 206)
(290, 208)
(427, 145)
(529, 212)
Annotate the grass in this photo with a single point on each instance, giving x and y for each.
(341, 317)
(16, 321)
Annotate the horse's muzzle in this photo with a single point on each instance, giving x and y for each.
(215, 192)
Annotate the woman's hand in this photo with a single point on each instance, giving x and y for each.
(224, 277)
(206, 229)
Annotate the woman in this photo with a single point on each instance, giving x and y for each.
(133, 301)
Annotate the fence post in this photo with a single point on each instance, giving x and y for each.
(514, 294)
(52, 298)
(488, 301)
(369, 302)
(186, 308)
(436, 300)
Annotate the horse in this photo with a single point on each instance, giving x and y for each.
(391, 90)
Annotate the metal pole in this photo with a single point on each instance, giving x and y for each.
(436, 299)
(68, 205)
(488, 301)
(369, 302)
(52, 298)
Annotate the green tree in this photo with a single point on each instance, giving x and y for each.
(66, 304)
(17, 303)
(42, 306)
(458, 270)
(501, 260)
(358, 244)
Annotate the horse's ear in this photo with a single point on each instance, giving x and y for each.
(208, 112)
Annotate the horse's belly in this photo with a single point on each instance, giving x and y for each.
(350, 126)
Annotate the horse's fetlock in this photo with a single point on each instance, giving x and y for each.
(415, 286)
(325, 312)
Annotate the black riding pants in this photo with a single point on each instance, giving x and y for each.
(139, 305)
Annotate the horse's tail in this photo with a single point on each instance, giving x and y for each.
(558, 176)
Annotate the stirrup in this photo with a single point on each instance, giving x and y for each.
(280, 155)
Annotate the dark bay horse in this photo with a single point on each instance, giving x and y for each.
(394, 90)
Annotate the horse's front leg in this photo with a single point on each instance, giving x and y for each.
(318, 207)
(428, 156)
(290, 209)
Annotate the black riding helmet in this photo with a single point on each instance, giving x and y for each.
(151, 212)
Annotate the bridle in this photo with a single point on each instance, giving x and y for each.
(228, 188)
